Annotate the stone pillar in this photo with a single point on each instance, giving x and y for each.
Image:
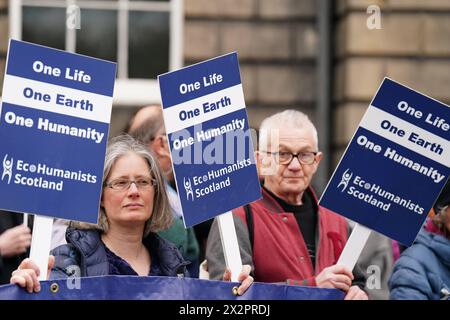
(4, 30)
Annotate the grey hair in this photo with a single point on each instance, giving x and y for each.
(161, 217)
(289, 118)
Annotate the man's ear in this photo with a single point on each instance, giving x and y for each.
(265, 164)
(164, 145)
(157, 145)
(262, 161)
(319, 157)
(258, 164)
(258, 158)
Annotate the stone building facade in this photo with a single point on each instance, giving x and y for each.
(278, 44)
(412, 47)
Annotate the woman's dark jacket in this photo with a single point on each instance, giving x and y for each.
(85, 255)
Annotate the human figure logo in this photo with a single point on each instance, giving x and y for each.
(345, 180)
(7, 168)
(188, 188)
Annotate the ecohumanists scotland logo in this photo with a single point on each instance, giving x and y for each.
(346, 176)
(7, 168)
(188, 188)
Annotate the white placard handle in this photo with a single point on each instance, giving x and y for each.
(40, 243)
(354, 246)
(230, 244)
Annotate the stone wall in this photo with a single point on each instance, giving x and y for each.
(276, 41)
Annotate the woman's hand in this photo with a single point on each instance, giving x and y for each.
(244, 278)
(26, 275)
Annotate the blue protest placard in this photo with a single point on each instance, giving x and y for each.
(395, 165)
(209, 137)
(54, 122)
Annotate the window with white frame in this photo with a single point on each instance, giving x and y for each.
(143, 37)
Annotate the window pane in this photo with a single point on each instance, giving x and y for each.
(148, 50)
(98, 34)
(45, 26)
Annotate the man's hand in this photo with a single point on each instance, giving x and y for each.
(355, 293)
(244, 278)
(338, 277)
(15, 241)
(26, 275)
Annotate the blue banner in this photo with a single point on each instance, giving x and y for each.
(162, 288)
(395, 165)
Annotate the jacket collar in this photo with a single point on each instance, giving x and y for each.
(93, 258)
(170, 259)
(93, 254)
(272, 204)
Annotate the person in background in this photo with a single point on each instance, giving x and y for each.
(133, 208)
(286, 236)
(377, 261)
(15, 240)
(423, 270)
(147, 126)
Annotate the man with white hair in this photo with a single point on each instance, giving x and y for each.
(286, 236)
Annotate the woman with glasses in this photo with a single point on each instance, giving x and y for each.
(134, 206)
